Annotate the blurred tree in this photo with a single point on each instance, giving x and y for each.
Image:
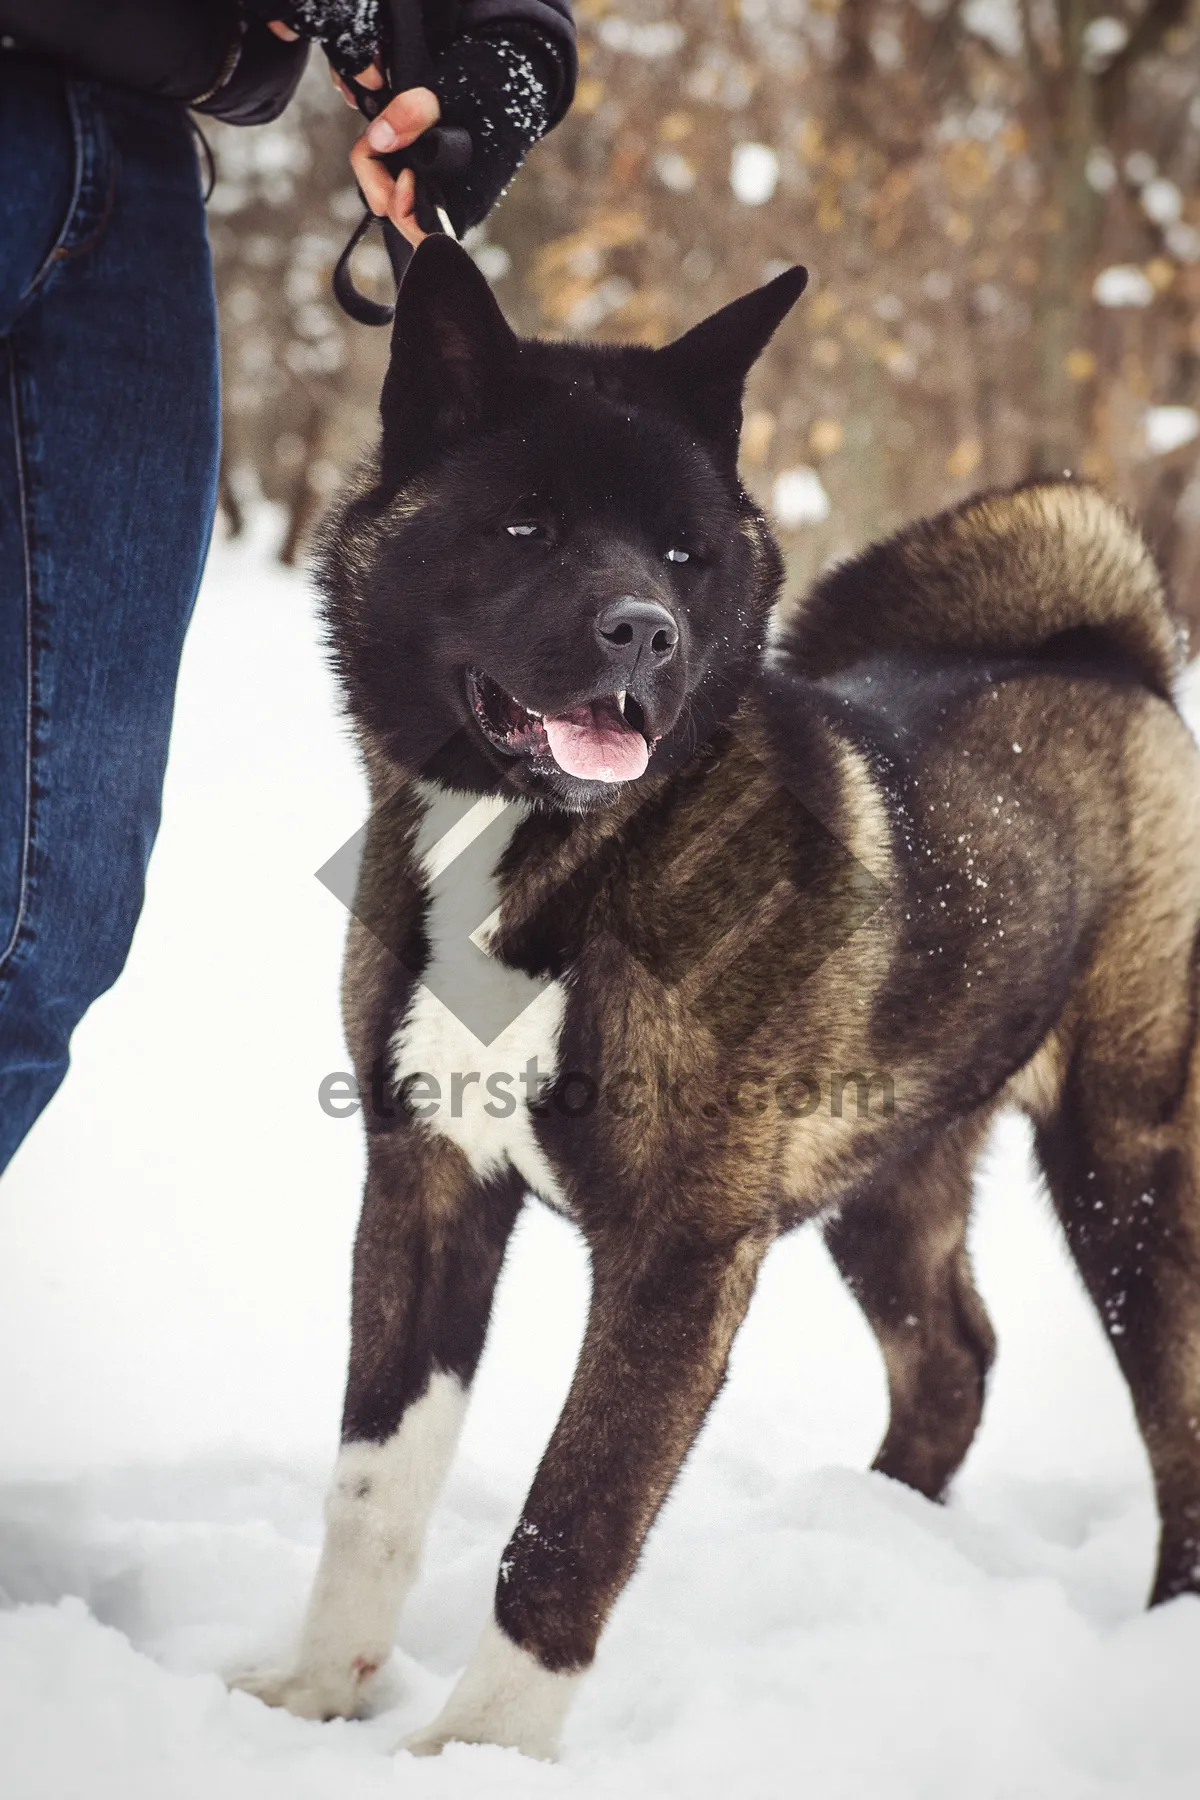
(997, 200)
(301, 383)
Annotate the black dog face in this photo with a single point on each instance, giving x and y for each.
(555, 582)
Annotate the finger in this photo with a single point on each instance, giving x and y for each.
(282, 31)
(369, 77)
(342, 89)
(404, 119)
(400, 209)
(372, 177)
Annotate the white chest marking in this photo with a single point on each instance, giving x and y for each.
(479, 1038)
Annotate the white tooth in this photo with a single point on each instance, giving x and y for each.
(621, 701)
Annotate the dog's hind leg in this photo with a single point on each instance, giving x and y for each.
(902, 1251)
(1118, 1134)
(1121, 1153)
(431, 1240)
(661, 1322)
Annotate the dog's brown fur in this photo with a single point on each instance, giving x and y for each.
(945, 856)
(1060, 973)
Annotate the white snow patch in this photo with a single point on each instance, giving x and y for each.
(1168, 428)
(753, 173)
(655, 40)
(983, 123)
(1183, 241)
(997, 22)
(674, 171)
(494, 260)
(1140, 167)
(887, 47)
(799, 498)
(1162, 201)
(1122, 284)
(592, 308)
(1103, 39)
(1100, 171)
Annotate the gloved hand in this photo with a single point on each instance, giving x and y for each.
(499, 86)
(349, 31)
(504, 84)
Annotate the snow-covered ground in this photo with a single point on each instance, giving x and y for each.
(174, 1256)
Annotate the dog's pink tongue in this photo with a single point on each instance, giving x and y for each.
(596, 744)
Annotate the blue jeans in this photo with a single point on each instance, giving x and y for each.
(109, 427)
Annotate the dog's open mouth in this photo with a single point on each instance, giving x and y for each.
(603, 740)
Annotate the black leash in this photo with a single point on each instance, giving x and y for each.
(438, 155)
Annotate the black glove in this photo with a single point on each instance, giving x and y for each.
(500, 87)
(349, 31)
(505, 84)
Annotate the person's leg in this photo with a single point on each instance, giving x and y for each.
(109, 425)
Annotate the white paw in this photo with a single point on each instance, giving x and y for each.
(311, 1694)
(430, 1741)
(503, 1696)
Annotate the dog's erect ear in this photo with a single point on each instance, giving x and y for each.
(706, 369)
(451, 348)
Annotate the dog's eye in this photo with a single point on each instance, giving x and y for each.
(526, 528)
(678, 556)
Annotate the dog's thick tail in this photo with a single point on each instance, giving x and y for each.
(1027, 571)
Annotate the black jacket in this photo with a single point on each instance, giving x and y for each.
(188, 50)
(216, 56)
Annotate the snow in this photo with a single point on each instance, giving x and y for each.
(1183, 241)
(887, 47)
(494, 260)
(753, 173)
(593, 307)
(1140, 167)
(798, 497)
(652, 41)
(1100, 171)
(1167, 428)
(1162, 201)
(675, 171)
(997, 22)
(174, 1257)
(1103, 39)
(1122, 284)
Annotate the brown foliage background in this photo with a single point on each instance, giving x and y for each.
(956, 177)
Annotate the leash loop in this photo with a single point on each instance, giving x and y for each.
(440, 154)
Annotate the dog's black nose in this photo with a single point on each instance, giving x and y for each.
(634, 631)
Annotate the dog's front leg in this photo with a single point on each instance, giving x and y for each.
(430, 1243)
(653, 1358)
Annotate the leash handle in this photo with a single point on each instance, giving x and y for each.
(440, 153)
(356, 305)
(449, 155)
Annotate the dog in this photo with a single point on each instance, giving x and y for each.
(702, 925)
